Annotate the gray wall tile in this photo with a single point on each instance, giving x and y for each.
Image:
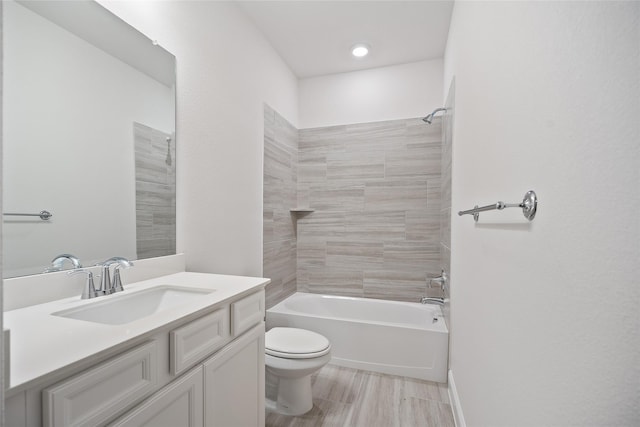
(321, 224)
(350, 253)
(337, 196)
(376, 191)
(361, 169)
(445, 195)
(407, 194)
(279, 196)
(423, 225)
(155, 192)
(375, 225)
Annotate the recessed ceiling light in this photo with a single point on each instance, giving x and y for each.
(360, 50)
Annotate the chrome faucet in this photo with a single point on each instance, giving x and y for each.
(58, 262)
(117, 281)
(432, 300)
(108, 286)
(105, 287)
(89, 290)
(442, 281)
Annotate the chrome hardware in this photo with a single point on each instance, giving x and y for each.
(430, 117)
(441, 280)
(89, 290)
(529, 207)
(58, 262)
(431, 300)
(108, 286)
(44, 215)
(117, 281)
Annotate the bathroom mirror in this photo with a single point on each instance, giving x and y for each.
(88, 135)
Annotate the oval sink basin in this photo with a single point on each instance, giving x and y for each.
(118, 310)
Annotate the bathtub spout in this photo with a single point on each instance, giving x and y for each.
(430, 300)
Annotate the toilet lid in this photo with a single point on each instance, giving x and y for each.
(294, 343)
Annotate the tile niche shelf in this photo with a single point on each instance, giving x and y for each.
(301, 211)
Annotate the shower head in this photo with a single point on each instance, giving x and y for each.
(429, 118)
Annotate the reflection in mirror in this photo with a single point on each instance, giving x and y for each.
(89, 135)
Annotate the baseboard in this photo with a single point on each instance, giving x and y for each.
(458, 418)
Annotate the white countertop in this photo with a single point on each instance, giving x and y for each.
(42, 343)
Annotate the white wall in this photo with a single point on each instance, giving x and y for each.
(387, 93)
(226, 71)
(2, 343)
(69, 116)
(545, 315)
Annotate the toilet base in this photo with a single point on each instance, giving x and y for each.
(288, 379)
(294, 396)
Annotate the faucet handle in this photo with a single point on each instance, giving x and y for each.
(120, 262)
(89, 290)
(117, 281)
(441, 280)
(106, 287)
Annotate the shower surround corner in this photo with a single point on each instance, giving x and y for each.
(279, 196)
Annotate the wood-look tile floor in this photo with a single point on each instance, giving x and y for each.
(350, 397)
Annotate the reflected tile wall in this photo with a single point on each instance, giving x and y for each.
(279, 195)
(445, 194)
(376, 189)
(155, 192)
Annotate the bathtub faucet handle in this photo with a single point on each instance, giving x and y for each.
(441, 280)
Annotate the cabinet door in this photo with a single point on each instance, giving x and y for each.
(234, 383)
(177, 404)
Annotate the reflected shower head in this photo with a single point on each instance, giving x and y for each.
(430, 117)
(168, 159)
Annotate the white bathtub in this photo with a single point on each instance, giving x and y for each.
(398, 338)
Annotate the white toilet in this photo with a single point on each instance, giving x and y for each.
(291, 356)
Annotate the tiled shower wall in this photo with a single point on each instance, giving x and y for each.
(375, 189)
(155, 192)
(279, 196)
(376, 193)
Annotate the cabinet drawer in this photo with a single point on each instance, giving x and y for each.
(194, 341)
(90, 398)
(247, 312)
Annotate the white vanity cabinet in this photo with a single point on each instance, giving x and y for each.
(180, 404)
(234, 383)
(196, 372)
(91, 397)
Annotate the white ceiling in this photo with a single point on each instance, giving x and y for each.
(315, 37)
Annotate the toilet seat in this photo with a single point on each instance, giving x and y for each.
(294, 343)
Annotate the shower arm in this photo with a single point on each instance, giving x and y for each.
(430, 117)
